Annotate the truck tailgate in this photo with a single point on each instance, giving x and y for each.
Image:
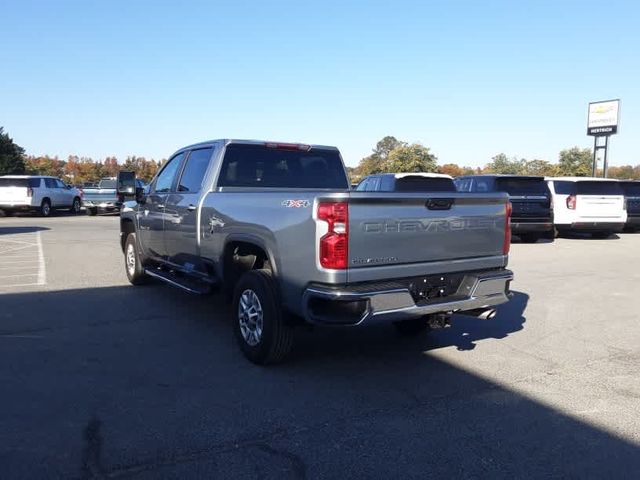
(392, 229)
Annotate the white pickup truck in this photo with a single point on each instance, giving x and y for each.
(41, 194)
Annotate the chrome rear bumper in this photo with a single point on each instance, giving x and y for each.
(328, 305)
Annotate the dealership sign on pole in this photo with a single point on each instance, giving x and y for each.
(603, 118)
(602, 121)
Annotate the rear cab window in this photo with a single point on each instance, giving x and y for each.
(517, 186)
(255, 165)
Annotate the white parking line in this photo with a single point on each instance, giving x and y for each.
(22, 262)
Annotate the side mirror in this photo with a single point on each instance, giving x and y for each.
(141, 195)
(126, 184)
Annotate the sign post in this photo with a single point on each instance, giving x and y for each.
(602, 121)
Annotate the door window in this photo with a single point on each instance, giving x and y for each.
(50, 183)
(194, 170)
(165, 179)
(59, 184)
(362, 186)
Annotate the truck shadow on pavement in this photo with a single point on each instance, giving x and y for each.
(18, 230)
(148, 383)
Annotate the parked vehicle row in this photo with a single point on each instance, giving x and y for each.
(277, 228)
(35, 193)
(541, 207)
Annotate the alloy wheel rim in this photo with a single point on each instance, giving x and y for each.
(46, 209)
(131, 259)
(250, 317)
(76, 206)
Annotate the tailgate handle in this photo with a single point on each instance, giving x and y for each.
(439, 203)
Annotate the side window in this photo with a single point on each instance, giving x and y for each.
(50, 183)
(482, 185)
(164, 182)
(374, 184)
(563, 187)
(59, 184)
(362, 186)
(194, 170)
(34, 182)
(463, 184)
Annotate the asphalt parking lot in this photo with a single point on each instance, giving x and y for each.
(104, 380)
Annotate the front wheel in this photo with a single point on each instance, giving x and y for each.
(258, 322)
(92, 212)
(132, 263)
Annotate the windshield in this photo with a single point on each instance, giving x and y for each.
(598, 188)
(522, 186)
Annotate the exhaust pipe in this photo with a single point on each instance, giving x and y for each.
(482, 313)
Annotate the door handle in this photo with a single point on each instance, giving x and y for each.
(191, 207)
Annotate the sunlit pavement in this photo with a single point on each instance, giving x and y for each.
(102, 379)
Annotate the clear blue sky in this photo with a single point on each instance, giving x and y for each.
(467, 79)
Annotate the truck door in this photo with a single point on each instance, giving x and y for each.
(151, 215)
(181, 211)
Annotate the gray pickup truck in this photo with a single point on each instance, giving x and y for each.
(276, 226)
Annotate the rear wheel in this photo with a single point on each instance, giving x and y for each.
(75, 206)
(132, 263)
(45, 208)
(92, 211)
(259, 325)
(529, 237)
(411, 328)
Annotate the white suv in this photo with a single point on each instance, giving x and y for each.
(37, 193)
(587, 204)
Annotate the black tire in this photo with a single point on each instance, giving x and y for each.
(275, 339)
(529, 237)
(411, 328)
(135, 270)
(92, 212)
(7, 213)
(76, 206)
(45, 208)
(601, 235)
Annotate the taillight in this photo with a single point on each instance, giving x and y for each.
(571, 202)
(334, 245)
(29, 192)
(288, 146)
(506, 246)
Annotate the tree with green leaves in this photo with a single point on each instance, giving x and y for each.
(538, 167)
(11, 155)
(410, 158)
(575, 162)
(503, 164)
(374, 162)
